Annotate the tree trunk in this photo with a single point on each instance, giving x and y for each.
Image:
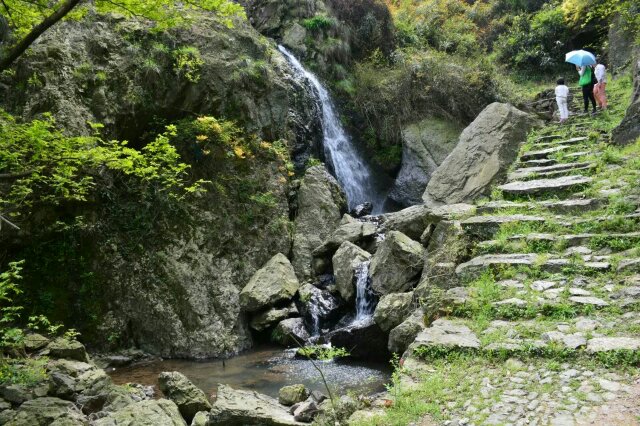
(15, 52)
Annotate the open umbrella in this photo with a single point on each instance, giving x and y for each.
(580, 58)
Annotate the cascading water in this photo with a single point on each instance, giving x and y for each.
(365, 299)
(351, 171)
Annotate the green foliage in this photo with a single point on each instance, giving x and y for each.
(26, 371)
(188, 63)
(318, 22)
(322, 352)
(9, 311)
(44, 166)
(536, 42)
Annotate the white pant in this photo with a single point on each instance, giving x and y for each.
(562, 107)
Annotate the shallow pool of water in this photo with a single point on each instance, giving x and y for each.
(265, 370)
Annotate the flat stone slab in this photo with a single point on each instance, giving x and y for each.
(547, 138)
(571, 141)
(632, 265)
(563, 206)
(546, 171)
(543, 153)
(543, 185)
(446, 333)
(539, 162)
(486, 226)
(606, 344)
(588, 300)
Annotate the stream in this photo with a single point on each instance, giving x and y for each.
(263, 369)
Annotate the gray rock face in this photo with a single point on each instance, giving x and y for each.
(275, 282)
(239, 408)
(606, 344)
(319, 308)
(350, 230)
(64, 348)
(543, 185)
(290, 332)
(345, 261)
(411, 221)
(396, 265)
(145, 413)
(321, 202)
(186, 395)
(48, 411)
(487, 147)
(629, 129)
(404, 334)
(363, 340)
(392, 309)
(425, 145)
(484, 227)
(34, 342)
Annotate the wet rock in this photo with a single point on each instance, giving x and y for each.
(319, 308)
(425, 145)
(486, 149)
(361, 210)
(397, 264)
(404, 334)
(266, 319)
(275, 282)
(363, 339)
(290, 332)
(34, 342)
(321, 202)
(360, 233)
(70, 349)
(239, 407)
(144, 413)
(292, 394)
(189, 399)
(48, 411)
(392, 309)
(345, 261)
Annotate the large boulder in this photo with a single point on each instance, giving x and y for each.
(292, 394)
(267, 318)
(392, 309)
(145, 413)
(290, 332)
(487, 147)
(241, 408)
(275, 282)
(363, 339)
(186, 395)
(46, 411)
(629, 129)
(411, 221)
(70, 349)
(352, 230)
(320, 204)
(345, 261)
(404, 334)
(396, 265)
(425, 145)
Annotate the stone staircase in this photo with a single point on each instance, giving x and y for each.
(552, 286)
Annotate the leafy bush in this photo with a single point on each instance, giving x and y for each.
(318, 22)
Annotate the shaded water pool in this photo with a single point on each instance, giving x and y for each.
(263, 369)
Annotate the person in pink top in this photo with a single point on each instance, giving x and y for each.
(599, 89)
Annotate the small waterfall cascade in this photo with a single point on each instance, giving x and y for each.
(314, 313)
(350, 170)
(365, 298)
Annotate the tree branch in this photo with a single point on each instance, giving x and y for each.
(15, 52)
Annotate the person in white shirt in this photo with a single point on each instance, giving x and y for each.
(599, 89)
(562, 94)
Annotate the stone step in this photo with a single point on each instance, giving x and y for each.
(544, 153)
(539, 163)
(476, 266)
(572, 141)
(573, 155)
(538, 186)
(547, 138)
(483, 227)
(546, 171)
(560, 207)
(446, 335)
(571, 240)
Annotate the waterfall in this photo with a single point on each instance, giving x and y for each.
(365, 298)
(350, 170)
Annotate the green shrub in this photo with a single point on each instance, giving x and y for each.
(318, 22)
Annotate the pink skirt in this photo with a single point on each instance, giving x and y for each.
(600, 94)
